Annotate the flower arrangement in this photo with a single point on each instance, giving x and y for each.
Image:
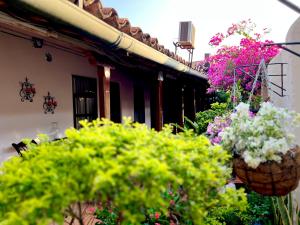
(215, 128)
(265, 137)
(251, 50)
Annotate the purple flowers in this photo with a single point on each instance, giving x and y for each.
(215, 128)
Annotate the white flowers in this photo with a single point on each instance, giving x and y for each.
(266, 136)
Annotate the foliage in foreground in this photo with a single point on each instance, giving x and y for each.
(258, 211)
(286, 210)
(127, 165)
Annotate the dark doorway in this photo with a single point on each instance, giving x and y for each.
(84, 99)
(139, 104)
(189, 102)
(115, 102)
(172, 103)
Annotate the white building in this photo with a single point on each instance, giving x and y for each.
(94, 63)
(292, 79)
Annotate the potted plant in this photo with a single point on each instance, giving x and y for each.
(255, 103)
(265, 155)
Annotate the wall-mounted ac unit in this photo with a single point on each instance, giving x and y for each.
(186, 34)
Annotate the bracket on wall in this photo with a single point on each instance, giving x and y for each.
(37, 42)
(189, 49)
(281, 45)
(291, 5)
(27, 91)
(49, 104)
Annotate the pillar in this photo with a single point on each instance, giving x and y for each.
(104, 91)
(159, 102)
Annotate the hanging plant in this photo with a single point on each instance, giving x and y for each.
(27, 91)
(266, 157)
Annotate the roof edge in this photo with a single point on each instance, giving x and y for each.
(78, 18)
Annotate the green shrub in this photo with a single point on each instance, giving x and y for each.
(205, 117)
(258, 211)
(128, 165)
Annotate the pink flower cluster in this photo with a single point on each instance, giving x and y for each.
(251, 50)
(215, 129)
(244, 28)
(217, 39)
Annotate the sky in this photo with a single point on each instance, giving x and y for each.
(160, 18)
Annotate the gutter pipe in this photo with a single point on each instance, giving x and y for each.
(78, 18)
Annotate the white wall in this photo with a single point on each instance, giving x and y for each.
(127, 83)
(18, 120)
(18, 59)
(292, 81)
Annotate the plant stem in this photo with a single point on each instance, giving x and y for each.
(80, 219)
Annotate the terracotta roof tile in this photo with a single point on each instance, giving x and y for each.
(146, 38)
(124, 25)
(110, 16)
(153, 43)
(93, 7)
(172, 55)
(167, 52)
(160, 48)
(137, 33)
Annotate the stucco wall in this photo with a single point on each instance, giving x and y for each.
(292, 81)
(18, 59)
(127, 82)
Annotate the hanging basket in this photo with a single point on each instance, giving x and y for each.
(271, 178)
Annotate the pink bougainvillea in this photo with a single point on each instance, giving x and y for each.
(251, 50)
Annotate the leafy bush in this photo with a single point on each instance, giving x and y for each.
(205, 117)
(258, 211)
(126, 164)
(107, 216)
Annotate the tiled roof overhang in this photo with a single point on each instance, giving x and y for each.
(104, 24)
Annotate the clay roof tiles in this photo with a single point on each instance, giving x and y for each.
(146, 39)
(137, 33)
(154, 43)
(110, 16)
(124, 25)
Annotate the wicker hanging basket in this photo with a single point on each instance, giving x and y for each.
(271, 178)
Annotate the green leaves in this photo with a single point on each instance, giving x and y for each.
(286, 210)
(125, 164)
(204, 118)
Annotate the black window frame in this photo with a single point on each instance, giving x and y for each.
(88, 94)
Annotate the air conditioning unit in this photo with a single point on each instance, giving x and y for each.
(186, 34)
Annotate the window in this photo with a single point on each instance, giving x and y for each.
(139, 104)
(115, 102)
(84, 99)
